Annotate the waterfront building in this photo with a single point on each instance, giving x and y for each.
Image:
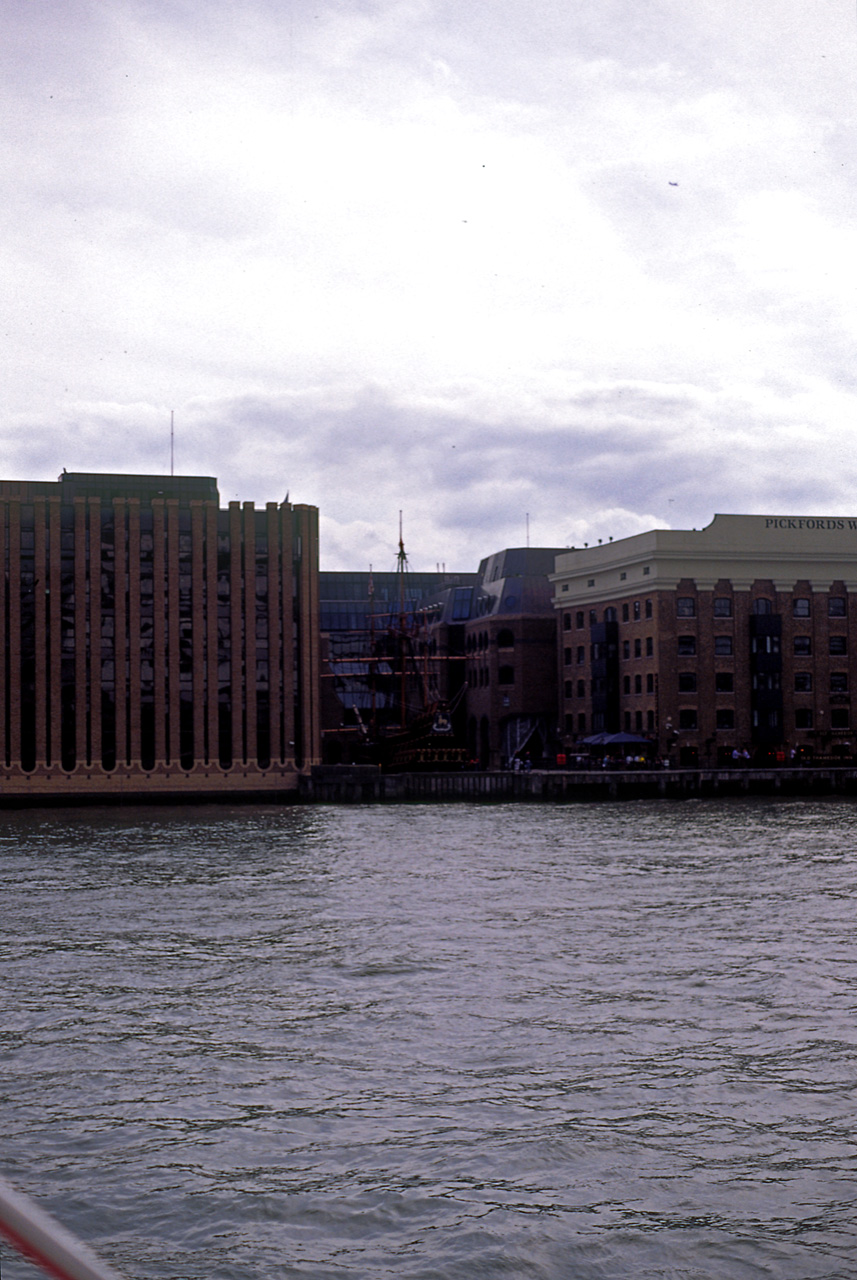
(741, 636)
(153, 642)
(491, 643)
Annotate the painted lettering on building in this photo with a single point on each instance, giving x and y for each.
(793, 522)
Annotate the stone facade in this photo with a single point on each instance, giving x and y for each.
(151, 642)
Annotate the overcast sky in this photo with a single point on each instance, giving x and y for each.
(590, 262)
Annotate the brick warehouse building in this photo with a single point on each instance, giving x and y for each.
(742, 635)
(152, 642)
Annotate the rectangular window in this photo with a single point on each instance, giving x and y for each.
(723, 646)
(624, 613)
(578, 618)
(638, 648)
(839, 682)
(838, 644)
(687, 718)
(638, 684)
(685, 607)
(803, 718)
(687, 682)
(581, 655)
(800, 607)
(803, 682)
(626, 648)
(723, 606)
(636, 610)
(836, 607)
(566, 622)
(726, 718)
(802, 646)
(590, 582)
(650, 647)
(839, 717)
(686, 646)
(723, 682)
(648, 608)
(650, 683)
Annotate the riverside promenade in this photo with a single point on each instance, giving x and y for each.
(365, 785)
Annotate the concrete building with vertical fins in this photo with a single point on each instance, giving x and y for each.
(153, 643)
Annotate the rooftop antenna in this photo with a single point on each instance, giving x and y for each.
(172, 442)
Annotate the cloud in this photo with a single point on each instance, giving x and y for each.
(588, 265)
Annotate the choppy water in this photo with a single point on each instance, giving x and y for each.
(436, 1042)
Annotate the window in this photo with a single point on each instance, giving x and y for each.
(803, 718)
(838, 644)
(581, 655)
(803, 682)
(839, 717)
(725, 718)
(722, 606)
(624, 613)
(622, 576)
(648, 608)
(610, 615)
(650, 646)
(638, 648)
(723, 682)
(685, 607)
(626, 684)
(762, 605)
(626, 648)
(723, 646)
(839, 682)
(590, 582)
(687, 682)
(578, 618)
(687, 718)
(800, 607)
(836, 607)
(566, 622)
(803, 646)
(592, 617)
(650, 683)
(638, 684)
(686, 646)
(505, 639)
(581, 688)
(566, 657)
(506, 675)
(636, 611)
(569, 689)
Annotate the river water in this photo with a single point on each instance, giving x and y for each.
(432, 1042)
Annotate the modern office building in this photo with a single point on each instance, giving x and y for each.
(152, 642)
(741, 636)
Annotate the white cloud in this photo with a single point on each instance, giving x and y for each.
(589, 264)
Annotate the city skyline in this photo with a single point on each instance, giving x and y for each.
(577, 274)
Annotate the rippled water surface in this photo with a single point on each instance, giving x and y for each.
(428, 1042)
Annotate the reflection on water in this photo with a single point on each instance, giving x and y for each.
(525, 1041)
